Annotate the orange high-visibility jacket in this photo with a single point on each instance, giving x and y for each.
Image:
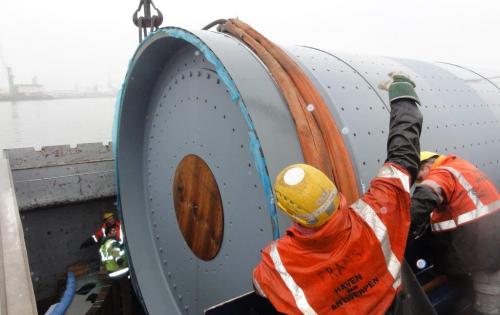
(465, 193)
(99, 234)
(352, 264)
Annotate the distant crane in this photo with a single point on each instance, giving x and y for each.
(10, 78)
(10, 75)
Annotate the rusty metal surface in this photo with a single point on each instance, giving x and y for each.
(62, 174)
(16, 289)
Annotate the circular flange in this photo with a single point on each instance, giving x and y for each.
(180, 100)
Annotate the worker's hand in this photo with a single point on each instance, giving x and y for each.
(88, 242)
(400, 86)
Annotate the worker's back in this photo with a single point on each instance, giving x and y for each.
(467, 222)
(352, 264)
(469, 194)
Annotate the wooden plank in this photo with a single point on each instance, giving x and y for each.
(198, 207)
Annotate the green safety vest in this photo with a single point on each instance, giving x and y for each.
(114, 258)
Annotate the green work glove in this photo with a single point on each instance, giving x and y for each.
(400, 86)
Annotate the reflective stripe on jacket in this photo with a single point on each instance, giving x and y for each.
(111, 251)
(465, 194)
(352, 264)
(99, 234)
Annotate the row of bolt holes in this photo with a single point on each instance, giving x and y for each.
(436, 106)
(185, 65)
(382, 132)
(431, 90)
(446, 126)
(370, 108)
(423, 77)
(364, 163)
(383, 108)
(343, 87)
(465, 106)
(182, 101)
(199, 73)
(208, 76)
(350, 61)
(478, 123)
(437, 127)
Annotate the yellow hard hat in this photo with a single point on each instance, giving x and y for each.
(306, 194)
(107, 215)
(425, 155)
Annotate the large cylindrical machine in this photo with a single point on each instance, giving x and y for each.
(203, 129)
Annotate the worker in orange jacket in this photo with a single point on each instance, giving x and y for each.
(339, 258)
(109, 220)
(463, 206)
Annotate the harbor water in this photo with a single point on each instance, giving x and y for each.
(55, 122)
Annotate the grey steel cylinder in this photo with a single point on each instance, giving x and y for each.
(202, 131)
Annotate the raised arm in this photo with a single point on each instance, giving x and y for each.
(403, 145)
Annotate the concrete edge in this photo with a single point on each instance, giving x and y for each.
(15, 277)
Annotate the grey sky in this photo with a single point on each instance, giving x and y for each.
(67, 42)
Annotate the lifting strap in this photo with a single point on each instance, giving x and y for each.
(322, 144)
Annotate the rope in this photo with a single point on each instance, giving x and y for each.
(322, 144)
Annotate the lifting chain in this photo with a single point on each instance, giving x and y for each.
(147, 21)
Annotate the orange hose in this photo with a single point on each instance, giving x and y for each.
(321, 142)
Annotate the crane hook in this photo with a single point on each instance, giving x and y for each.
(143, 22)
